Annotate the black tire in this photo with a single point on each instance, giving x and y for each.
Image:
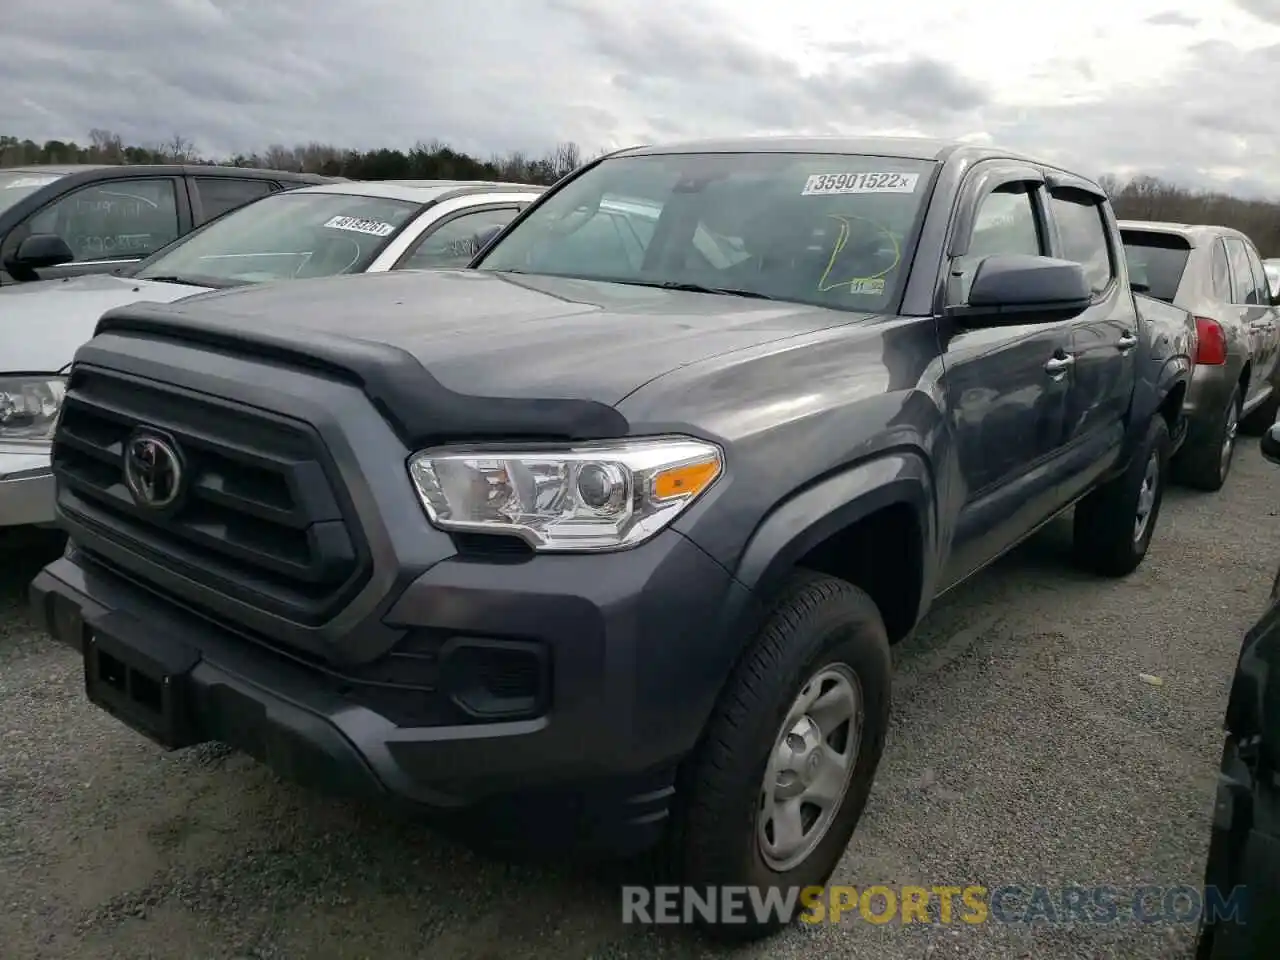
(1107, 539)
(1261, 418)
(817, 622)
(1204, 465)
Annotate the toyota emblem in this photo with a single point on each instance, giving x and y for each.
(152, 471)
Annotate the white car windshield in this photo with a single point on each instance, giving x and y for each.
(284, 236)
(829, 229)
(16, 184)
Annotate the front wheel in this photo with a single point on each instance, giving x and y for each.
(1114, 524)
(787, 760)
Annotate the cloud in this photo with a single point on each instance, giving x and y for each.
(1117, 90)
(1172, 18)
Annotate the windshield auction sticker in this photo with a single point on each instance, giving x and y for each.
(374, 228)
(829, 184)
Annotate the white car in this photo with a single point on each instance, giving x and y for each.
(346, 227)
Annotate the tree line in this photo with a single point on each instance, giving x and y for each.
(429, 160)
(1139, 198)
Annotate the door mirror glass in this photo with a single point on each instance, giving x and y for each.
(42, 250)
(1011, 289)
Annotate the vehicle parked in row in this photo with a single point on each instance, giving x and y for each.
(1272, 269)
(67, 221)
(347, 227)
(603, 543)
(1244, 850)
(1216, 274)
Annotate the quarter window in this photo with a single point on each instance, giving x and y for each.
(1220, 272)
(1083, 233)
(1260, 295)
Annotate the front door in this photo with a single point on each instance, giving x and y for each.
(1242, 874)
(1104, 339)
(1006, 390)
(109, 225)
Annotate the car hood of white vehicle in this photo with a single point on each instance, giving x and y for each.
(43, 322)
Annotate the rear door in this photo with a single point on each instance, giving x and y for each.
(1104, 339)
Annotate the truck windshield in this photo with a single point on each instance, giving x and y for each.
(1156, 260)
(16, 184)
(283, 236)
(835, 230)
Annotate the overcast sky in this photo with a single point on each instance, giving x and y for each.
(1180, 88)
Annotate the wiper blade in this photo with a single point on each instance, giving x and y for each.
(699, 288)
(172, 279)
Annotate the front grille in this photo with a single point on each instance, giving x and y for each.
(260, 519)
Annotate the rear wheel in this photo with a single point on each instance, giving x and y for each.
(1206, 464)
(1115, 523)
(779, 783)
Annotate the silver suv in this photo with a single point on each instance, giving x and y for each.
(1217, 275)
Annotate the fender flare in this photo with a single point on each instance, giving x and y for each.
(798, 524)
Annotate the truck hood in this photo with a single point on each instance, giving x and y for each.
(42, 323)
(502, 335)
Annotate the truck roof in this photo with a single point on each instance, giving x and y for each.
(907, 148)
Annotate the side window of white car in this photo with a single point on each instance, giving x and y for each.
(452, 244)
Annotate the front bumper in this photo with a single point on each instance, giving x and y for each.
(26, 486)
(638, 644)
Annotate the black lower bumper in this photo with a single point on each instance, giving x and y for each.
(637, 658)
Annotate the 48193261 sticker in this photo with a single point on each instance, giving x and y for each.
(374, 228)
(828, 184)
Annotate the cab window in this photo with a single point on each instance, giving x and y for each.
(115, 220)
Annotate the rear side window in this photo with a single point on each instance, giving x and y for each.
(1220, 272)
(1157, 261)
(1084, 237)
(1241, 274)
(220, 194)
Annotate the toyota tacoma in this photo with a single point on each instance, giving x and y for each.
(602, 541)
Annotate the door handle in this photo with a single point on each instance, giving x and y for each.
(1126, 342)
(1057, 366)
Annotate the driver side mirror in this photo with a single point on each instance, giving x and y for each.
(1270, 443)
(42, 250)
(1012, 289)
(485, 237)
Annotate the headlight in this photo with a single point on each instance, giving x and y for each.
(29, 407)
(598, 496)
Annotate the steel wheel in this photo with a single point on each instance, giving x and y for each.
(1147, 495)
(810, 767)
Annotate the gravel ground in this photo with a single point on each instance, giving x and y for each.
(1024, 749)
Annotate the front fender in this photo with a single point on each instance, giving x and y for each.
(801, 522)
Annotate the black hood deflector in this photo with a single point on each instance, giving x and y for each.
(418, 407)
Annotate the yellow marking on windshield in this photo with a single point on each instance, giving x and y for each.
(841, 240)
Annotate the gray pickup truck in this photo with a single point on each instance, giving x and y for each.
(602, 542)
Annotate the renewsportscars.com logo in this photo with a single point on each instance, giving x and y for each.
(940, 904)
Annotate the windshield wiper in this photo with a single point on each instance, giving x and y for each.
(171, 279)
(698, 288)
